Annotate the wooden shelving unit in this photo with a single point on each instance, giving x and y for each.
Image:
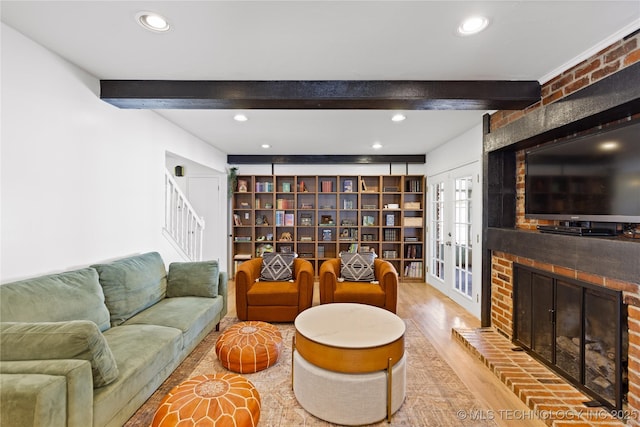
(327, 214)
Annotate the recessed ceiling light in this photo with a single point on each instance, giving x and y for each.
(240, 118)
(265, 146)
(473, 25)
(376, 146)
(609, 145)
(153, 22)
(398, 117)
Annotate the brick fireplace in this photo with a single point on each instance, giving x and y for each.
(602, 90)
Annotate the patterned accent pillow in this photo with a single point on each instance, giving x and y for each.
(357, 267)
(277, 267)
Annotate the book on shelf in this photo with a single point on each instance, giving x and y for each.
(414, 185)
(389, 254)
(413, 269)
(264, 186)
(279, 218)
(326, 186)
(353, 248)
(288, 220)
(390, 235)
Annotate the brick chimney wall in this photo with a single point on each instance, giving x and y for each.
(610, 60)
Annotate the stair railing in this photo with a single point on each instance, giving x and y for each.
(181, 222)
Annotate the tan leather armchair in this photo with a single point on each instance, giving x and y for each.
(273, 301)
(383, 294)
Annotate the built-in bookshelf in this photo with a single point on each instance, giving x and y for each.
(319, 216)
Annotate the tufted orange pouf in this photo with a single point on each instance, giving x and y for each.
(221, 400)
(249, 346)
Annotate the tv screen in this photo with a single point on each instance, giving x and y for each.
(590, 178)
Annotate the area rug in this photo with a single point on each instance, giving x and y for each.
(435, 395)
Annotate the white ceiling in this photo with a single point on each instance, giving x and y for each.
(324, 40)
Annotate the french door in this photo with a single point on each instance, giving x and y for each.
(453, 235)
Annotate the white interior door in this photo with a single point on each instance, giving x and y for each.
(454, 239)
(206, 197)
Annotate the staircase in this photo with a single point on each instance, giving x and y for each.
(182, 226)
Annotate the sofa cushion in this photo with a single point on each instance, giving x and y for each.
(277, 267)
(146, 356)
(192, 315)
(357, 267)
(132, 284)
(77, 339)
(193, 279)
(73, 295)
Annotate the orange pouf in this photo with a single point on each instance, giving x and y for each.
(249, 346)
(219, 400)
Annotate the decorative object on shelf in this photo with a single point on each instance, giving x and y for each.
(286, 237)
(286, 187)
(326, 235)
(368, 220)
(306, 219)
(390, 219)
(242, 186)
(268, 205)
(348, 186)
(245, 205)
(413, 221)
(262, 220)
(269, 236)
(632, 231)
(236, 219)
(263, 249)
(326, 220)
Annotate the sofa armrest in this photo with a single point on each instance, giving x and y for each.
(329, 274)
(78, 401)
(387, 276)
(303, 273)
(246, 276)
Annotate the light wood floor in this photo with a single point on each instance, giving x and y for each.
(435, 314)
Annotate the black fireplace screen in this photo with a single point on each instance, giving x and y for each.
(577, 329)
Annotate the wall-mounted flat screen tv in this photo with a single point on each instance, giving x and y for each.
(595, 177)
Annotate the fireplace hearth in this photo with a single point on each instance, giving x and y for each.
(577, 329)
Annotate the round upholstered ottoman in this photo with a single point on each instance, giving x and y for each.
(248, 347)
(215, 400)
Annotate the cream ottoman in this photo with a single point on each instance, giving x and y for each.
(349, 365)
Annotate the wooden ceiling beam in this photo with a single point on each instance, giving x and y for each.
(321, 94)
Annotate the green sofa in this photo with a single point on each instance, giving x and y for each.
(88, 347)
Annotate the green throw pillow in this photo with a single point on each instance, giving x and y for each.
(76, 339)
(196, 279)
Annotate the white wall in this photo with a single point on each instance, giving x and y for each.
(81, 180)
(462, 150)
